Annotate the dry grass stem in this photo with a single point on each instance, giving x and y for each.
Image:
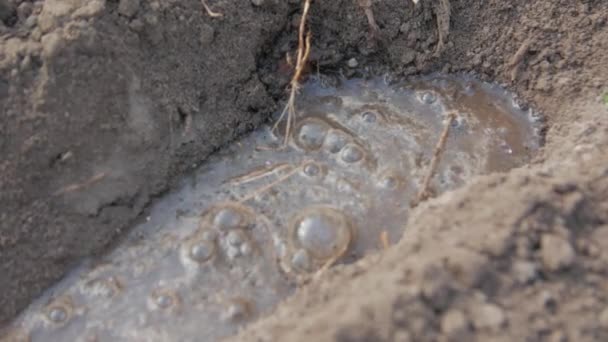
(210, 12)
(443, 12)
(259, 173)
(371, 20)
(267, 187)
(78, 186)
(423, 194)
(384, 239)
(301, 59)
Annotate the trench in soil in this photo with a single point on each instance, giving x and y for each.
(259, 219)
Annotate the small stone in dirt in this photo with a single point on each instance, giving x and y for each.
(556, 252)
(488, 316)
(257, 2)
(128, 8)
(603, 318)
(352, 63)
(31, 21)
(454, 323)
(524, 271)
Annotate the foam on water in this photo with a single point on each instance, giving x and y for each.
(256, 219)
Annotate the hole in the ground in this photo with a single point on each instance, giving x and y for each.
(263, 217)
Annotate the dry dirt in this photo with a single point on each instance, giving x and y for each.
(105, 103)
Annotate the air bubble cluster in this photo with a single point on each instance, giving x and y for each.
(259, 219)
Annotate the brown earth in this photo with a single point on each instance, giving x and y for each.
(105, 103)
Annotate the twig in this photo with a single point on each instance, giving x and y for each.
(271, 185)
(384, 239)
(443, 10)
(258, 174)
(301, 59)
(518, 57)
(210, 12)
(75, 187)
(423, 194)
(369, 13)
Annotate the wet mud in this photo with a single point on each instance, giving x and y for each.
(261, 219)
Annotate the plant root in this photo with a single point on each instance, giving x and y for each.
(424, 194)
(259, 173)
(301, 59)
(371, 20)
(280, 180)
(78, 186)
(210, 12)
(443, 12)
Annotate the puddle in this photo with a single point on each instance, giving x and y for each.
(255, 221)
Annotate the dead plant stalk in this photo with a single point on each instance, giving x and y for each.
(423, 194)
(301, 60)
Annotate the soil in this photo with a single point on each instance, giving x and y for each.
(106, 103)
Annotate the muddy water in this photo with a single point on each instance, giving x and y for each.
(258, 219)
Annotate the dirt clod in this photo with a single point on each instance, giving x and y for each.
(128, 8)
(556, 252)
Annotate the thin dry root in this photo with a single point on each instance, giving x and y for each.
(443, 12)
(259, 173)
(78, 186)
(265, 188)
(301, 59)
(423, 194)
(518, 57)
(384, 239)
(210, 12)
(371, 20)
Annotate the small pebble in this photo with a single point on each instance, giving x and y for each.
(352, 63)
(524, 271)
(603, 318)
(488, 316)
(453, 323)
(58, 315)
(556, 252)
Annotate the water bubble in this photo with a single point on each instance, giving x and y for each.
(301, 260)
(164, 299)
(389, 182)
(201, 251)
(336, 140)
(369, 117)
(58, 314)
(60, 311)
(428, 97)
(228, 218)
(324, 232)
(352, 154)
(312, 169)
(236, 238)
(459, 122)
(311, 135)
